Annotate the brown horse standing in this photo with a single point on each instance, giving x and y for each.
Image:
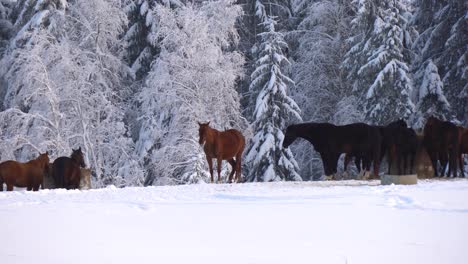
(222, 145)
(66, 171)
(29, 174)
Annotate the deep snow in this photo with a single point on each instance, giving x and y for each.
(293, 222)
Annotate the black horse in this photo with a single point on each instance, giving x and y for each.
(331, 141)
(66, 170)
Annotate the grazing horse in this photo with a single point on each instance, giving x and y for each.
(331, 141)
(66, 170)
(222, 145)
(386, 135)
(402, 146)
(29, 174)
(441, 142)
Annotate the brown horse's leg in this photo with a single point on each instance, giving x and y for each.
(219, 162)
(9, 187)
(210, 165)
(234, 168)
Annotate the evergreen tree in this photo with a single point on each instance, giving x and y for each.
(431, 98)
(378, 61)
(274, 109)
(442, 41)
(318, 45)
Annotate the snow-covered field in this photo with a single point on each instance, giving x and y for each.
(293, 222)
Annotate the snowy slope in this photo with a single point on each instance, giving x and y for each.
(298, 222)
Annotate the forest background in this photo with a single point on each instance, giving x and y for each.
(128, 80)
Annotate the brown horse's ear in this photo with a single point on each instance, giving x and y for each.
(47, 153)
(199, 123)
(208, 123)
(79, 149)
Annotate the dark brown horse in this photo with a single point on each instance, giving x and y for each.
(29, 174)
(441, 141)
(66, 170)
(331, 141)
(222, 145)
(402, 148)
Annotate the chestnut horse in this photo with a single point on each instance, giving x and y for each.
(331, 141)
(29, 174)
(222, 145)
(66, 170)
(441, 142)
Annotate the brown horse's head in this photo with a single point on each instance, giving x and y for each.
(77, 156)
(43, 160)
(203, 131)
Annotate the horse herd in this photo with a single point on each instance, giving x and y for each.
(443, 141)
(65, 172)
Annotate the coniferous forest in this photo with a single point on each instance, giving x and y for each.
(129, 80)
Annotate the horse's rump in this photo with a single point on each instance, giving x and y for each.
(232, 143)
(14, 172)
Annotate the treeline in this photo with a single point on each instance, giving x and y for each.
(128, 80)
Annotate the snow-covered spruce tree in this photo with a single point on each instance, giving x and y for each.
(442, 40)
(378, 60)
(318, 44)
(274, 109)
(139, 51)
(192, 80)
(30, 15)
(431, 99)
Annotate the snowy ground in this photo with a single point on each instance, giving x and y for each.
(309, 222)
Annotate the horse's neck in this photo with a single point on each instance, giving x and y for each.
(35, 162)
(213, 134)
(74, 160)
(308, 134)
